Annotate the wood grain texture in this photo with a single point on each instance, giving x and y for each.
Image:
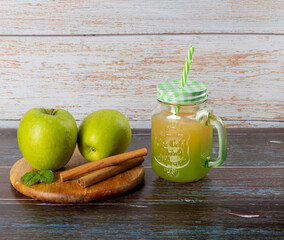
(84, 74)
(217, 207)
(71, 191)
(246, 147)
(221, 184)
(244, 200)
(30, 17)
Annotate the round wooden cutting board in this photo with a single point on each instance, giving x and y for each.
(70, 191)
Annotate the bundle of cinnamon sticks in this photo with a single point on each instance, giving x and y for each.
(102, 169)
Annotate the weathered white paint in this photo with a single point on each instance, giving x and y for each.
(33, 17)
(84, 74)
(147, 124)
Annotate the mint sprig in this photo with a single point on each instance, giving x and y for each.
(33, 177)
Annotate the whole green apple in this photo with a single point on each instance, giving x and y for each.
(47, 137)
(104, 133)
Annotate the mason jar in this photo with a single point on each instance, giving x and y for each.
(182, 132)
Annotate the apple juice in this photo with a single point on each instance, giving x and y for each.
(180, 146)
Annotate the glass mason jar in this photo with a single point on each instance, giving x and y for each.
(182, 135)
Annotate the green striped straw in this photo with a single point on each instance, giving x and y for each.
(187, 64)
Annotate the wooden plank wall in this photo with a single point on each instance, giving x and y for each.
(86, 55)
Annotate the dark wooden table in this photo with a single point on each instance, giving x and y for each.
(242, 199)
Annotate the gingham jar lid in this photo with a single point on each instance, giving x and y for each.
(173, 92)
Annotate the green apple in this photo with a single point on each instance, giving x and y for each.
(47, 137)
(103, 133)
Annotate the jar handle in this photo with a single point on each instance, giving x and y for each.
(222, 136)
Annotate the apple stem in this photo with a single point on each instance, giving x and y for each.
(51, 111)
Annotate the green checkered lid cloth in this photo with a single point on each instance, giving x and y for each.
(173, 92)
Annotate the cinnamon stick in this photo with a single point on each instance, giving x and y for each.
(107, 172)
(102, 163)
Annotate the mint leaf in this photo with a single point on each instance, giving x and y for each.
(46, 176)
(32, 178)
(26, 174)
